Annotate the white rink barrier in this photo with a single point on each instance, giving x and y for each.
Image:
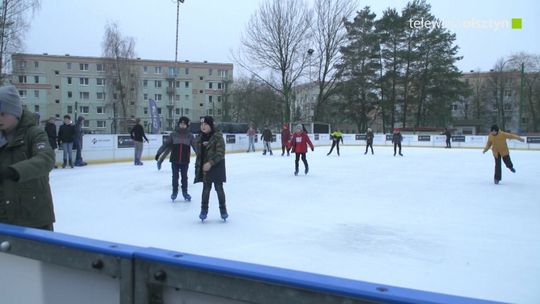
(107, 148)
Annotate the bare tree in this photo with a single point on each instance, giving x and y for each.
(275, 42)
(329, 35)
(13, 27)
(122, 74)
(529, 66)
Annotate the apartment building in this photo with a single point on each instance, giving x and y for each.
(54, 85)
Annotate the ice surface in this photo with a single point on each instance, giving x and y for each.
(431, 220)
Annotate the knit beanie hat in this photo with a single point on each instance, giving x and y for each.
(208, 120)
(183, 119)
(495, 128)
(10, 101)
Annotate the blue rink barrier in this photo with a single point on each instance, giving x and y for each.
(48, 267)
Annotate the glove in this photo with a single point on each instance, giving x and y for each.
(9, 173)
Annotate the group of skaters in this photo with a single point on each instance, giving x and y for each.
(27, 156)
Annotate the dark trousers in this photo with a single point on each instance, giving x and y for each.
(334, 144)
(507, 162)
(78, 145)
(283, 149)
(179, 170)
(369, 145)
(206, 196)
(396, 145)
(297, 159)
(448, 145)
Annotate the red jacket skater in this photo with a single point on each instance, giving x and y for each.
(299, 142)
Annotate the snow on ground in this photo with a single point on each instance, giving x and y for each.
(431, 220)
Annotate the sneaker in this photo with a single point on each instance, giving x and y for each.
(513, 170)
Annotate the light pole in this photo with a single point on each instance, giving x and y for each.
(311, 103)
(521, 95)
(175, 69)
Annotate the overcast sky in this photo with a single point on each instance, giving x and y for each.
(211, 29)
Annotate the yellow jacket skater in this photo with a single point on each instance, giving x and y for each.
(497, 143)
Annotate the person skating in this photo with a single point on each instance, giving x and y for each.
(397, 138)
(252, 135)
(266, 137)
(210, 165)
(66, 136)
(179, 145)
(285, 138)
(137, 135)
(78, 142)
(497, 142)
(299, 143)
(448, 138)
(336, 137)
(369, 140)
(26, 159)
(50, 129)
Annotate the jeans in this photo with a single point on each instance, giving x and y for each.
(206, 196)
(68, 151)
(138, 151)
(251, 143)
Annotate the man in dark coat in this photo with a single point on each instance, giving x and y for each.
(78, 143)
(210, 165)
(369, 140)
(26, 158)
(397, 138)
(267, 140)
(66, 136)
(50, 129)
(137, 134)
(448, 137)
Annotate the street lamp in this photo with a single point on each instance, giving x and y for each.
(175, 69)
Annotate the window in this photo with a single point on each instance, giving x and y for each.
(84, 81)
(57, 101)
(84, 95)
(157, 70)
(159, 110)
(70, 94)
(70, 109)
(145, 69)
(100, 82)
(22, 79)
(36, 93)
(100, 96)
(209, 72)
(177, 97)
(157, 83)
(177, 84)
(100, 67)
(201, 78)
(36, 108)
(68, 65)
(222, 73)
(177, 111)
(507, 93)
(145, 83)
(36, 65)
(100, 124)
(99, 110)
(218, 111)
(85, 109)
(22, 93)
(145, 96)
(56, 72)
(210, 99)
(219, 99)
(201, 91)
(187, 71)
(186, 111)
(209, 111)
(210, 85)
(69, 80)
(157, 97)
(22, 64)
(57, 87)
(83, 66)
(36, 79)
(220, 86)
(186, 84)
(186, 97)
(454, 107)
(145, 110)
(86, 123)
(115, 96)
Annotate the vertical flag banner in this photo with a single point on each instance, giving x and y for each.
(154, 116)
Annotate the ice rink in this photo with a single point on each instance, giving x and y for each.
(431, 220)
